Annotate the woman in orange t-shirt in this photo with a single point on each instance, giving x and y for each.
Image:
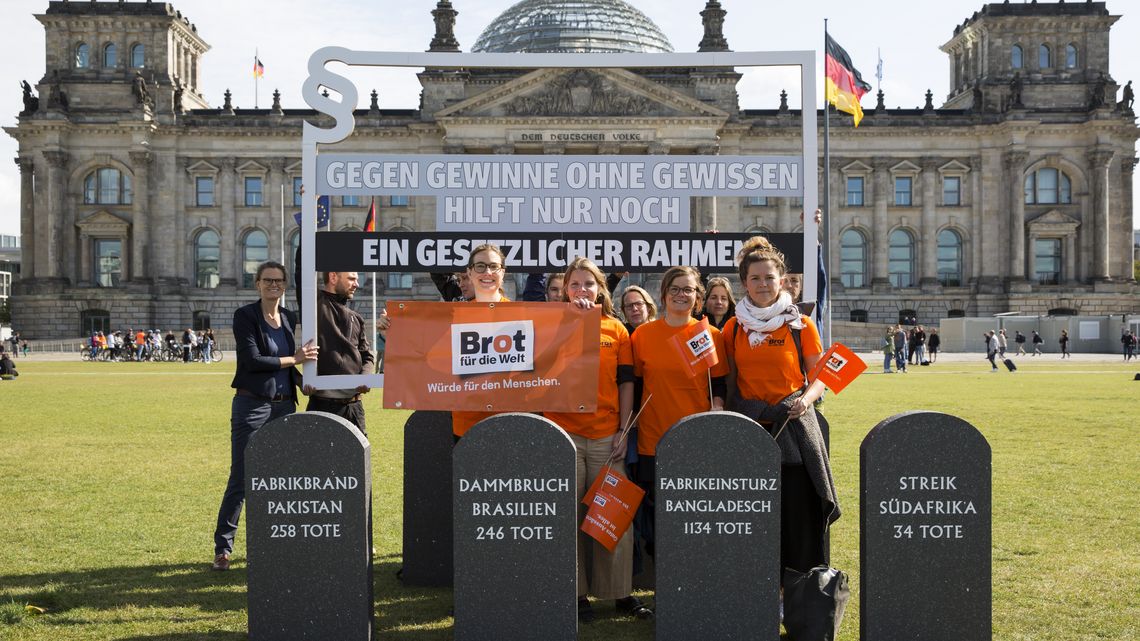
(675, 394)
(486, 271)
(768, 384)
(596, 442)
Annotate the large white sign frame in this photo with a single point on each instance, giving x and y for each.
(344, 122)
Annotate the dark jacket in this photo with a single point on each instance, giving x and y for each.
(342, 336)
(255, 369)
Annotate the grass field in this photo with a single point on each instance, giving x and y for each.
(112, 475)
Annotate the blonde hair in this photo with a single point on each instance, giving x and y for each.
(586, 265)
(755, 250)
(650, 305)
(673, 274)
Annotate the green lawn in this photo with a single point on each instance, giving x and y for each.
(112, 475)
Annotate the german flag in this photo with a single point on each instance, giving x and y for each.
(845, 84)
(370, 220)
(258, 68)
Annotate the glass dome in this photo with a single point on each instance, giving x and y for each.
(572, 26)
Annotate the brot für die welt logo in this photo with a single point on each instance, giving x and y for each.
(482, 348)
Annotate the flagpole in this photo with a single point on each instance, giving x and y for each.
(255, 78)
(282, 224)
(372, 277)
(826, 198)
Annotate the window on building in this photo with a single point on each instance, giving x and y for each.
(956, 313)
(350, 201)
(399, 201)
(297, 191)
(94, 320)
(853, 259)
(1047, 260)
(854, 191)
(398, 280)
(1048, 186)
(949, 258)
(204, 191)
(903, 185)
(1071, 57)
(108, 262)
(900, 258)
(207, 258)
(137, 56)
(253, 191)
(908, 317)
(82, 56)
(1063, 311)
(951, 190)
(110, 56)
(858, 316)
(107, 186)
(254, 251)
(1044, 57)
(757, 201)
(1015, 57)
(201, 320)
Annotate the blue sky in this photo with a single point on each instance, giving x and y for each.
(285, 32)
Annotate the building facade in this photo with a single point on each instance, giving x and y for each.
(143, 206)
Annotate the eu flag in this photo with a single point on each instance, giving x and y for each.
(322, 212)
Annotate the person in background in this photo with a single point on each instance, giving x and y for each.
(992, 350)
(672, 394)
(1019, 338)
(265, 382)
(344, 348)
(900, 349)
(7, 367)
(933, 343)
(1064, 341)
(888, 349)
(543, 288)
(1128, 344)
(919, 344)
(1037, 342)
(637, 307)
(594, 436)
(485, 272)
(770, 347)
(720, 304)
(1003, 343)
(453, 288)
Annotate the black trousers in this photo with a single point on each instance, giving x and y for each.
(801, 521)
(352, 412)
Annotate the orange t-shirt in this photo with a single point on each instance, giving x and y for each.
(616, 350)
(675, 394)
(463, 421)
(771, 370)
(140, 338)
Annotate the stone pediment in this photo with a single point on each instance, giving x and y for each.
(1053, 221)
(103, 223)
(578, 93)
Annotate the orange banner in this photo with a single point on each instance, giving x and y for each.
(837, 367)
(492, 357)
(696, 347)
(612, 502)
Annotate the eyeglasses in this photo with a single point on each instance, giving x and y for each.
(688, 291)
(273, 282)
(639, 303)
(481, 268)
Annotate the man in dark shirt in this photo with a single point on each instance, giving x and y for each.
(344, 348)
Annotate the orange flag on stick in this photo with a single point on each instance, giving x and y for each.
(696, 347)
(612, 501)
(837, 368)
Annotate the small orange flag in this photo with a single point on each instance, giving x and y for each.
(612, 502)
(837, 368)
(696, 347)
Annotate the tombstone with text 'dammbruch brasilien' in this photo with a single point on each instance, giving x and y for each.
(516, 528)
(717, 530)
(925, 530)
(307, 487)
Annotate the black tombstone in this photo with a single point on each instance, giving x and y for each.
(516, 529)
(427, 499)
(307, 485)
(925, 514)
(718, 530)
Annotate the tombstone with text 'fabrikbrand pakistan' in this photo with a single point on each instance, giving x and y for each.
(427, 499)
(516, 529)
(925, 519)
(718, 530)
(307, 519)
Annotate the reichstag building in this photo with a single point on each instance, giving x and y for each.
(144, 206)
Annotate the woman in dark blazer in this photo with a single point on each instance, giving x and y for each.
(266, 384)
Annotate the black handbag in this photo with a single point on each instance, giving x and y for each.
(814, 603)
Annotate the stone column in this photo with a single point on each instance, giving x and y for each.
(276, 181)
(27, 217)
(1127, 165)
(928, 245)
(882, 193)
(1031, 259)
(1099, 159)
(225, 196)
(85, 259)
(1071, 258)
(1015, 179)
(785, 220)
(140, 228)
(50, 240)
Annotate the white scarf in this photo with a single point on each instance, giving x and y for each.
(762, 321)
